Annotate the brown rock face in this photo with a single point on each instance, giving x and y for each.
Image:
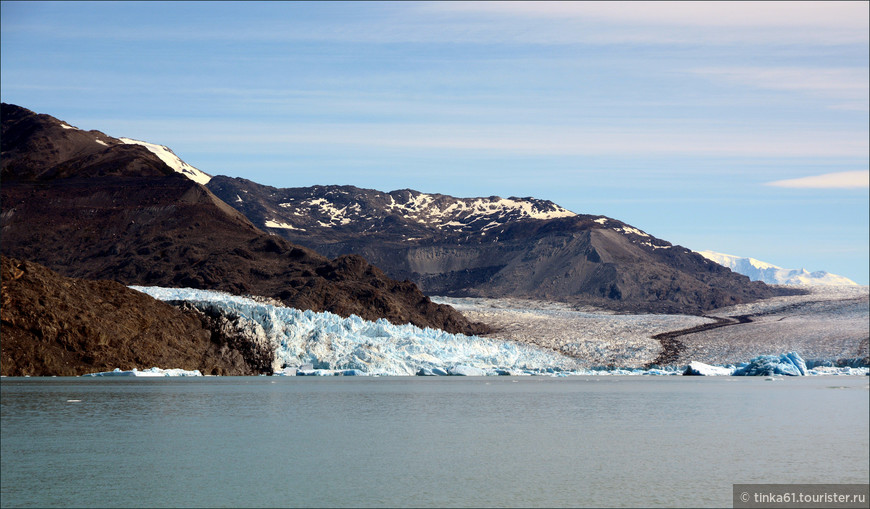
(117, 212)
(54, 325)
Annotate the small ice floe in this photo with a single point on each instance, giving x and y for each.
(151, 372)
(839, 370)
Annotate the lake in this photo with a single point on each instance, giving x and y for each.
(414, 441)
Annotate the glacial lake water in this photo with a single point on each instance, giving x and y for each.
(411, 441)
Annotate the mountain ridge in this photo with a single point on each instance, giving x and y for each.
(88, 206)
(494, 247)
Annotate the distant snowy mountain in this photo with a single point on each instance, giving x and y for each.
(173, 161)
(757, 270)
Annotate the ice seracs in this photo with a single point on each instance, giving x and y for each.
(173, 161)
(331, 343)
(758, 270)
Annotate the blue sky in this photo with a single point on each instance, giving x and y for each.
(713, 125)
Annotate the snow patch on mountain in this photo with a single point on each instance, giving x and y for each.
(336, 207)
(758, 270)
(276, 224)
(173, 161)
(629, 229)
(429, 208)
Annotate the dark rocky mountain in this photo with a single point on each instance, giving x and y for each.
(493, 247)
(54, 325)
(90, 206)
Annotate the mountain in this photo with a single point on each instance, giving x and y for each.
(91, 206)
(494, 247)
(54, 325)
(173, 161)
(757, 270)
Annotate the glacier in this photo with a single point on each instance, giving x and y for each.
(308, 343)
(335, 345)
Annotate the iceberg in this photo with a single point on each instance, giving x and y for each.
(151, 372)
(789, 364)
(696, 368)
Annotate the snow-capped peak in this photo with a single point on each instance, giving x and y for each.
(435, 209)
(336, 206)
(758, 270)
(173, 161)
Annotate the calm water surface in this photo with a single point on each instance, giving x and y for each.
(453, 441)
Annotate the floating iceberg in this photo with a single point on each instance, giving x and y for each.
(152, 372)
(789, 364)
(700, 369)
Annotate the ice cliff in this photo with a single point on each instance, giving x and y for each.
(329, 342)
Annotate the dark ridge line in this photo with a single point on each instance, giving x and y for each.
(673, 347)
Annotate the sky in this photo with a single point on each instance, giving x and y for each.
(737, 127)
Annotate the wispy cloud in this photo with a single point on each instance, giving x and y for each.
(849, 87)
(839, 180)
(491, 22)
(722, 22)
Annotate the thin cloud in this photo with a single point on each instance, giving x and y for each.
(844, 14)
(675, 22)
(839, 180)
(847, 85)
(694, 23)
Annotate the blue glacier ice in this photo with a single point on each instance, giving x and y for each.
(789, 364)
(353, 346)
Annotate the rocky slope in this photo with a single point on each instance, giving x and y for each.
(494, 247)
(54, 325)
(88, 205)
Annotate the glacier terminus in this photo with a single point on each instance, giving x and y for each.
(326, 344)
